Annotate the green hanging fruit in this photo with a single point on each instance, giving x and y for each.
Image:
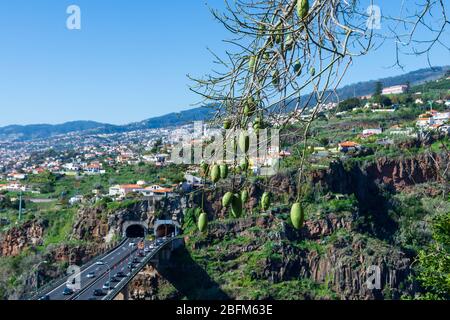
(236, 206)
(289, 42)
(244, 165)
(223, 171)
(215, 173)
(226, 200)
(297, 67)
(265, 201)
(279, 34)
(227, 124)
(312, 72)
(258, 124)
(251, 101)
(235, 146)
(204, 166)
(246, 110)
(244, 196)
(261, 29)
(244, 142)
(250, 107)
(297, 215)
(302, 8)
(252, 63)
(202, 222)
(276, 78)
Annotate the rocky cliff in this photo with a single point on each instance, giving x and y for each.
(17, 239)
(399, 173)
(264, 258)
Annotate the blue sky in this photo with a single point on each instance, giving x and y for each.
(127, 63)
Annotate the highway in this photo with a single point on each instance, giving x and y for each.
(123, 259)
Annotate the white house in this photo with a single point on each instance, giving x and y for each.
(75, 200)
(124, 189)
(71, 166)
(17, 176)
(369, 132)
(441, 117)
(423, 122)
(14, 187)
(395, 89)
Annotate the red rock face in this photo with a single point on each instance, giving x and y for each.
(400, 174)
(90, 225)
(77, 255)
(408, 172)
(18, 239)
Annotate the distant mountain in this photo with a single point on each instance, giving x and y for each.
(174, 119)
(42, 131)
(414, 78)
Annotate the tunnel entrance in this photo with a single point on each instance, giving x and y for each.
(135, 231)
(164, 230)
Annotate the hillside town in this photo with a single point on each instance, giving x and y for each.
(81, 154)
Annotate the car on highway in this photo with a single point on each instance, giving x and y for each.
(131, 244)
(46, 297)
(147, 250)
(120, 274)
(100, 263)
(141, 254)
(91, 275)
(136, 260)
(107, 286)
(98, 293)
(114, 279)
(67, 291)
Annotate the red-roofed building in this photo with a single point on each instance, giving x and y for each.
(124, 189)
(349, 146)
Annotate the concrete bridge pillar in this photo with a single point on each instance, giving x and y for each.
(124, 294)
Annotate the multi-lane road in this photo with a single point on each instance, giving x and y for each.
(91, 282)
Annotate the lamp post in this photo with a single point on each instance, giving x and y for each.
(20, 205)
(37, 273)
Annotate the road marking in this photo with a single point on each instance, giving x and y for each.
(64, 284)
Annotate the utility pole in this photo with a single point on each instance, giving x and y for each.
(20, 205)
